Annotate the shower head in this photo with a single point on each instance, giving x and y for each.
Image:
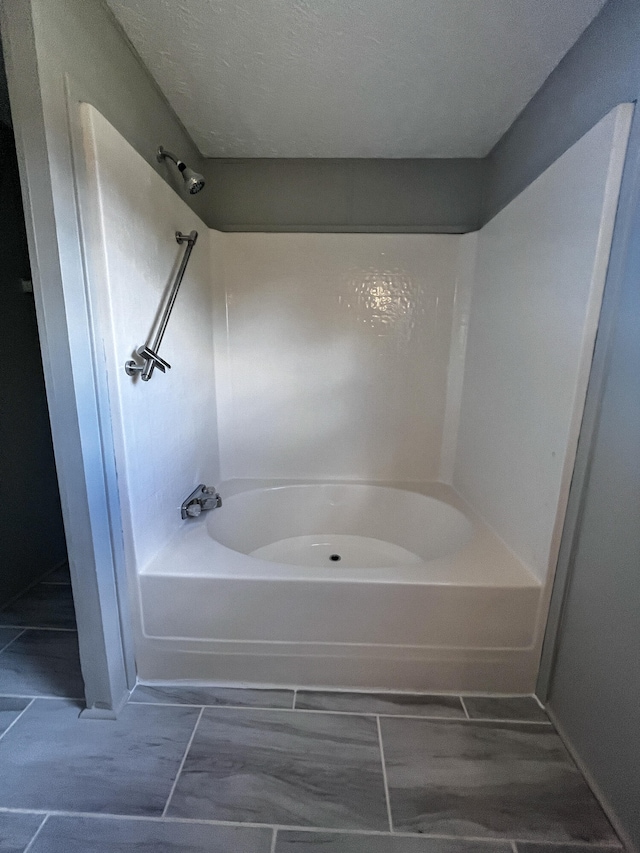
(193, 180)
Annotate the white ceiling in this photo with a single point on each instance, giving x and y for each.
(351, 78)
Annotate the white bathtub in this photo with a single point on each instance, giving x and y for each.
(327, 529)
(423, 595)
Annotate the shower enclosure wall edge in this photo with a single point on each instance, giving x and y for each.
(79, 411)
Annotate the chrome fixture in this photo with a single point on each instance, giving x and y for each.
(150, 353)
(193, 180)
(200, 500)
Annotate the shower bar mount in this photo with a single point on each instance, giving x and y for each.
(149, 354)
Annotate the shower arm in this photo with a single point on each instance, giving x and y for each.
(150, 353)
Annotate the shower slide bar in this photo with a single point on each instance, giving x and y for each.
(150, 353)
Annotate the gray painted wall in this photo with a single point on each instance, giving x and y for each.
(81, 46)
(344, 195)
(595, 687)
(84, 43)
(599, 72)
(591, 674)
(31, 534)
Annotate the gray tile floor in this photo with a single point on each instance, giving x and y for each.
(226, 770)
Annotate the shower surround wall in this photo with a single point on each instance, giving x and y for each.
(165, 429)
(333, 363)
(540, 272)
(309, 357)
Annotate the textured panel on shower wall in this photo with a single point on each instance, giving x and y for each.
(336, 353)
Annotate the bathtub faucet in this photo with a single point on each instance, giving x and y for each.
(201, 499)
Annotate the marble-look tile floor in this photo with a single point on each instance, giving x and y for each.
(38, 642)
(45, 605)
(227, 770)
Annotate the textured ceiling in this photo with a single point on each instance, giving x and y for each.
(351, 78)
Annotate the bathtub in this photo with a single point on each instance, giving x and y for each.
(315, 527)
(342, 585)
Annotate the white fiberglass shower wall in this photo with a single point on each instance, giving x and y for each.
(450, 369)
(537, 289)
(333, 353)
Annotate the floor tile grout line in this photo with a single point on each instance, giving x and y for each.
(295, 699)
(513, 847)
(13, 722)
(384, 775)
(617, 846)
(301, 688)
(184, 758)
(36, 834)
(464, 707)
(512, 722)
(465, 719)
(384, 715)
(19, 634)
(274, 839)
(219, 707)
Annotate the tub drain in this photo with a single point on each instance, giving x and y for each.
(335, 557)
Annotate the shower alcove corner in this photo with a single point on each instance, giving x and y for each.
(409, 403)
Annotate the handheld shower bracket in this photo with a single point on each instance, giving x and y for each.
(150, 353)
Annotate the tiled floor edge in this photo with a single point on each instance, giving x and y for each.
(314, 688)
(433, 718)
(220, 707)
(310, 829)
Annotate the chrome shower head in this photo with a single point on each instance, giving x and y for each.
(193, 180)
